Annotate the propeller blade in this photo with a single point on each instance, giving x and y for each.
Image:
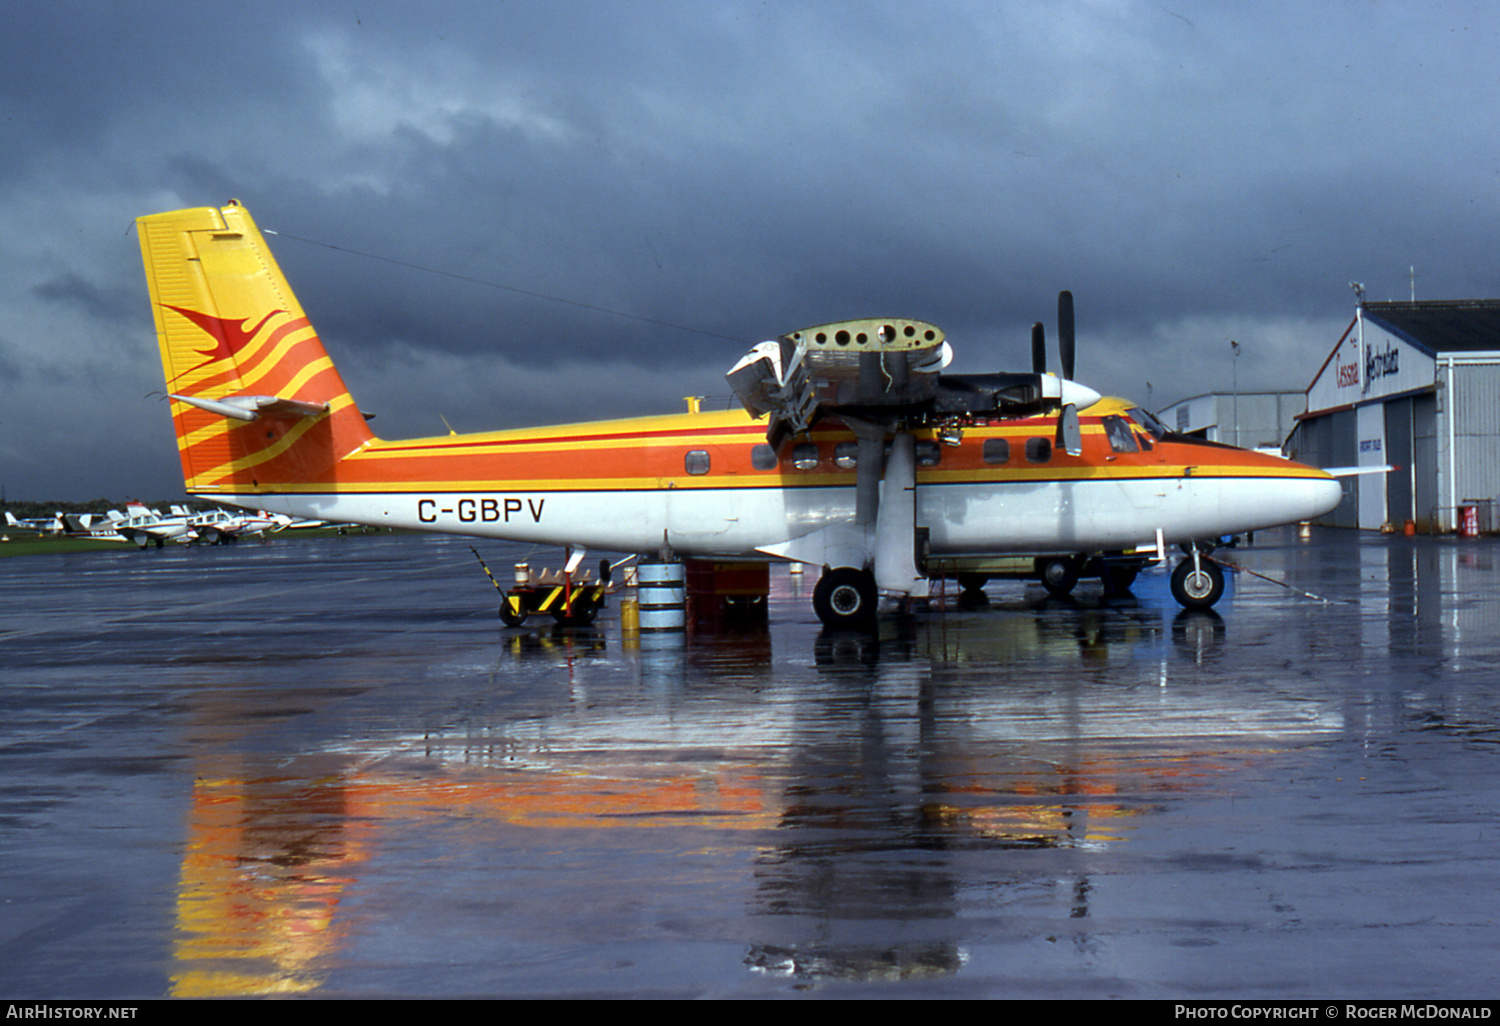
(1038, 348)
(1065, 332)
(1069, 431)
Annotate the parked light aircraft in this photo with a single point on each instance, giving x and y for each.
(224, 528)
(854, 452)
(37, 525)
(145, 526)
(93, 526)
(71, 525)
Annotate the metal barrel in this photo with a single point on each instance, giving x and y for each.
(662, 589)
(630, 616)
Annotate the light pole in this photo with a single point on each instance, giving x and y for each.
(1235, 346)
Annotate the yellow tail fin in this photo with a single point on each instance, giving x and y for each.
(257, 403)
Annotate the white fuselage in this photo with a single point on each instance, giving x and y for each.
(961, 519)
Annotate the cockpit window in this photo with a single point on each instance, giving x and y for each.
(1153, 427)
(1121, 438)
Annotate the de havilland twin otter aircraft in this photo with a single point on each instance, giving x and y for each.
(854, 453)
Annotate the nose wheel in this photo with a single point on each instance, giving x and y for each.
(1198, 582)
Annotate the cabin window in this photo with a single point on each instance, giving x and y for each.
(929, 453)
(1038, 450)
(805, 456)
(696, 461)
(846, 455)
(997, 450)
(1121, 438)
(763, 457)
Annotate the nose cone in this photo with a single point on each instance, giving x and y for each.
(1283, 492)
(1312, 496)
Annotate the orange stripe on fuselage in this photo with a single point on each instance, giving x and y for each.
(648, 453)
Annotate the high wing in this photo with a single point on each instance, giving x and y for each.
(884, 371)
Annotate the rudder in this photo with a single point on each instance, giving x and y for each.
(257, 404)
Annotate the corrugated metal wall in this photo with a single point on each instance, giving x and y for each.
(1476, 406)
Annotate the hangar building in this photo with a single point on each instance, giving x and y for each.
(1415, 386)
(1249, 420)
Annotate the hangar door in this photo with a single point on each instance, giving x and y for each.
(1411, 447)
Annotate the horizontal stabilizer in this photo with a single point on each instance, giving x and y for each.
(1355, 471)
(252, 407)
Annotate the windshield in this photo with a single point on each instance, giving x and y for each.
(1150, 424)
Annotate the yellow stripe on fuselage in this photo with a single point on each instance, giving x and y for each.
(772, 480)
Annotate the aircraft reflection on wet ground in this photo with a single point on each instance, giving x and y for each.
(330, 771)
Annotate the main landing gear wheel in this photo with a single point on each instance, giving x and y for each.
(972, 595)
(1059, 575)
(845, 598)
(973, 582)
(1118, 577)
(1197, 587)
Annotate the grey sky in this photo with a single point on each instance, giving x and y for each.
(1194, 172)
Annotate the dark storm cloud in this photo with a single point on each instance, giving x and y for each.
(743, 169)
(72, 290)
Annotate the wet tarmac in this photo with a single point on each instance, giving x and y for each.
(323, 767)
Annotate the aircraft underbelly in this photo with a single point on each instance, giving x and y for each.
(1096, 514)
(688, 521)
(1109, 514)
(1040, 516)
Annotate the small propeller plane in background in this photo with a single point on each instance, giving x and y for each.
(145, 526)
(221, 527)
(72, 525)
(36, 525)
(854, 453)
